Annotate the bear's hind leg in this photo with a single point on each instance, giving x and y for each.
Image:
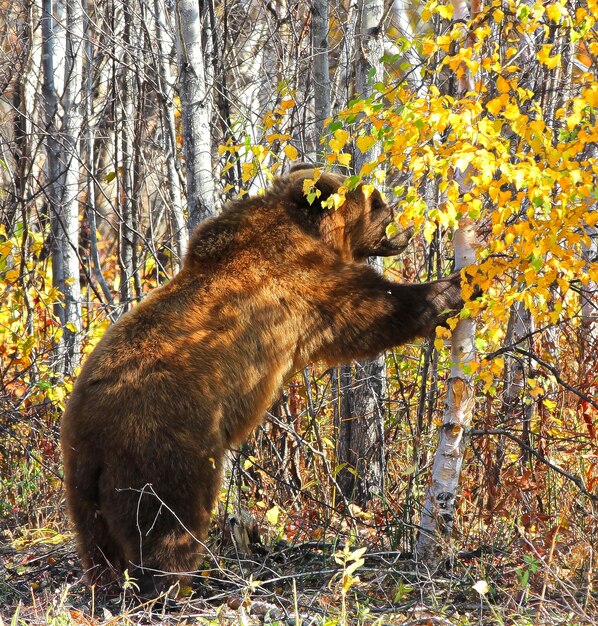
(162, 526)
(101, 554)
(103, 558)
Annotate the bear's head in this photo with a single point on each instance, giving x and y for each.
(357, 229)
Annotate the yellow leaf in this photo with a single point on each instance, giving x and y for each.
(365, 143)
(545, 58)
(367, 192)
(287, 103)
(429, 230)
(429, 47)
(336, 199)
(392, 230)
(272, 515)
(247, 171)
(590, 95)
(5, 249)
(502, 85)
(498, 16)
(291, 152)
(339, 140)
(344, 158)
(368, 168)
(512, 112)
(536, 392)
(445, 11)
(554, 12)
(11, 276)
(495, 106)
(308, 187)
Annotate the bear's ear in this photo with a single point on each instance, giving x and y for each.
(297, 167)
(325, 186)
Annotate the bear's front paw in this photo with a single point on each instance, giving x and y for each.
(446, 298)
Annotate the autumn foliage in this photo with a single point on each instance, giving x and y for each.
(491, 119)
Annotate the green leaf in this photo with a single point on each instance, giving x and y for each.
(390, 58)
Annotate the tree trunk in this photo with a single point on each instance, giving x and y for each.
(319, 35)
(89, 149)
(195, 111)
(517, 368)
(64, 159)
(439, 505)
(125, 166)
(361, 424)
(166, 94)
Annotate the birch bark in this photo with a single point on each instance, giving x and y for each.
(194, 93)
(89, 149)
(170, 148)
(126, 162)
(63, 170)
(439, 504)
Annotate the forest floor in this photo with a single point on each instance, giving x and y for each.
(282, 585)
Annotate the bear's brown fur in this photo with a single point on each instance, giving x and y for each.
(268, 286)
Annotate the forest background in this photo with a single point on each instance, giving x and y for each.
(124, 123)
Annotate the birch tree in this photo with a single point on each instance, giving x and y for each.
(166, 89)
(439, 505)
(63, 170)
(89, 139)
(124, 160)
(195, 96)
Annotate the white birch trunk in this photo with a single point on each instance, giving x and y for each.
(439, 505)
(520, 325)
(59, 43)
(180, 232)
(259, 71)
(193, 90)
(72, 119)
(89, 149)
(589, 306)
(125, 174)
(63, 170)
(50, 103)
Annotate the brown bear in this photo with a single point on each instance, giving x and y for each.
(269, 285)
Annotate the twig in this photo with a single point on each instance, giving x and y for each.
(504, 433)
